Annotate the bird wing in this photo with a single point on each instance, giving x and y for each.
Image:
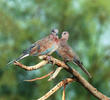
(65, 51)
(42, 47)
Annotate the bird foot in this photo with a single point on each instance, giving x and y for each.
(49, 59)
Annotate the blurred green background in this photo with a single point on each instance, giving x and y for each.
(22, 22)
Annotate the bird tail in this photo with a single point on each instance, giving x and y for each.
(19, 58)
(80, 64)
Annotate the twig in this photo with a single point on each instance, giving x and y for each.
(54, 75)
(39, 78)
(58, 86)
(30, 68)
(63, 96)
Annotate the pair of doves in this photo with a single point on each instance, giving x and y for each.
(50, 44)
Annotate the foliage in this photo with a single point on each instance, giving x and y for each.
(22, 22)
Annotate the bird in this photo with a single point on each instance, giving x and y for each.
(45, 46)
(67, 53)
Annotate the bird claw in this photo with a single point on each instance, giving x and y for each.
(49, 59)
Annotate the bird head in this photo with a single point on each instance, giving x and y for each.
(55, 32)
(65, 35)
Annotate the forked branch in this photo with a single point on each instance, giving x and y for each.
(77, 77)
(55, 88)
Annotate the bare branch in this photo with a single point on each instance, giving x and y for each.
(55, 88)
(39, 78)
(72, 71)
(54, 75)
(63, 96)
(79, 78)
(30, 68)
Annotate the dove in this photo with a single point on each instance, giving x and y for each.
(67, 54)
(45, 46)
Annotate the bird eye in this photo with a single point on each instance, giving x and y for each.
(53, 30)
(64, 33)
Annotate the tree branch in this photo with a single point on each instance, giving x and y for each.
(55, 88)
(39, 78)
(30, 68)
(54, 75)
(63, 96)
(79, 78)
(72, 71)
